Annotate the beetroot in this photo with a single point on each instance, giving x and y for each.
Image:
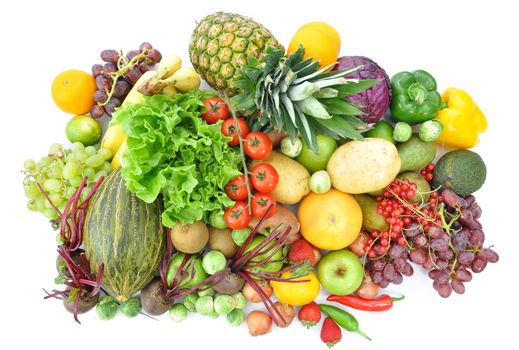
(375, 101)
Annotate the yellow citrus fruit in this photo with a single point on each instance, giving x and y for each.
(319, 44)
(297, 293)
(73, 91)
(331, 220)
(326, 28)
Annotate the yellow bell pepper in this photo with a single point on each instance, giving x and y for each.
(462, 120)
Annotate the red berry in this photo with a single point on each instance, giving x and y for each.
(401, 241)
(428, 176)
(384, 242)
(430, 167)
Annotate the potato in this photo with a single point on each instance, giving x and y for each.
(293, 178)
(222, 241)
(363, 166)
(191, 238)
(283, 216)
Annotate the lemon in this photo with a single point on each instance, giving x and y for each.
(296, 293)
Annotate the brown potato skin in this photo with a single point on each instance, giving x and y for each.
(222, 241)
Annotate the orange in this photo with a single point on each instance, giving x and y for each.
(296, 293)
(320, 41)
(73, 91)
(331, 220)
(326, 28)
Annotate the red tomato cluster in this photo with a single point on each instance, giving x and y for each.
(263, 178)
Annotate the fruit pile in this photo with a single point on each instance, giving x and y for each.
(300, 173)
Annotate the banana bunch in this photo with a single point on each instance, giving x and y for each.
(169, 78)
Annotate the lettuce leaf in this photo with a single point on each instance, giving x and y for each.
(174, 153)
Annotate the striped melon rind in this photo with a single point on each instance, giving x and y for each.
(126, 235)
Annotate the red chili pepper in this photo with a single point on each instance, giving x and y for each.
(383, 303)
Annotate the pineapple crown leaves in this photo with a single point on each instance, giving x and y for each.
(296, 95)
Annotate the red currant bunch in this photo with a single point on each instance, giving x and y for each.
(427, 172)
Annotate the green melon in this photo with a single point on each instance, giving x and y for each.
(126, 235)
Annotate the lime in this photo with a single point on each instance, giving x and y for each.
(84, 129)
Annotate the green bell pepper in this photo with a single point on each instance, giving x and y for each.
(415, 99)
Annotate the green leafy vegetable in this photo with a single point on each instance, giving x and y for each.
(173, 152)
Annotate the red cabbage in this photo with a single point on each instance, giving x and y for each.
(375, 101)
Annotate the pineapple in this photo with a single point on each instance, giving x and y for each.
(295, 95)
(222, 42)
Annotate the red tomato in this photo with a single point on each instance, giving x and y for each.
(236, 189)
(264, 177)
(261, 203)
(217, 110)
(237, 217)
(229, 129)
(257, 145)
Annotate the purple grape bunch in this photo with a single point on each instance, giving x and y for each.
(116, 77)
(451, 253)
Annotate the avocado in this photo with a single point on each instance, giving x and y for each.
(422, 186)
(415, 153)
(371, 219)
(461, 170)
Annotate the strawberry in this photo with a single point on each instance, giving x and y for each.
(309, 314)
(302, 250)
(330, 332)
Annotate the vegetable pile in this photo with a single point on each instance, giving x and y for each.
(302, 173)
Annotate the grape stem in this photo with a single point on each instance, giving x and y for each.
(122, 70)
(242, 153)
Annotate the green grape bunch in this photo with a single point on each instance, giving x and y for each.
(59, 174)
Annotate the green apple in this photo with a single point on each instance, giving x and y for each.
(269, 266)
(194, 262)
(340, 272)
(315, 162)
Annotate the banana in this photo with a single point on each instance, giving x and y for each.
(135, 96)
(169, 91)
(114, 135)
(167, 66)
(117, 159)
(185, 79)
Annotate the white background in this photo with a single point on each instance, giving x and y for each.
(472, 46)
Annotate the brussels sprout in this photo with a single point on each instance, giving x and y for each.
(216, 220)
(430, 130)
(207, 292)
(204, 305)
(213, 262)
(131, 307)
(235, 317)
(223, 304)
(213, 314)
(291, 149)
(106, 309)
(239, 300)
(178, 312)
(239, 236)
(320, 182)
(402, 132)
(189, 302)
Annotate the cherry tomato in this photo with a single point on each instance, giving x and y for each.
(257, 145)
(237, 217)
(217, 110)
(236, 189)
(264, 177)
(229, 129)
(261, 203)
